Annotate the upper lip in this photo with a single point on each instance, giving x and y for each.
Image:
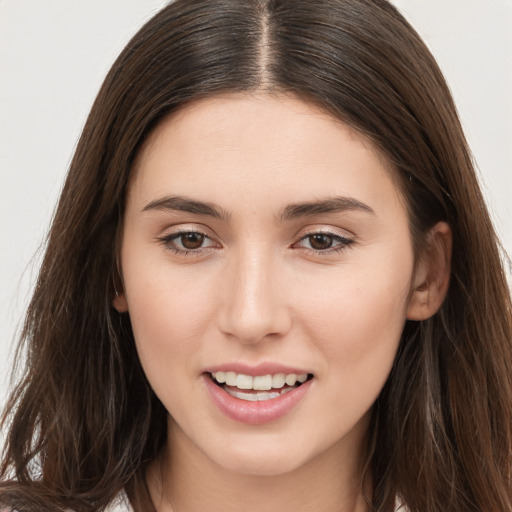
(266, 368)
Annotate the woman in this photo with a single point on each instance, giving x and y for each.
(271, 281)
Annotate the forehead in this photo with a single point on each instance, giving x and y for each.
(277, 146)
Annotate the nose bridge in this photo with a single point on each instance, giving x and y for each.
(253, 305)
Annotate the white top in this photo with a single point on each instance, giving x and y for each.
(120, 504)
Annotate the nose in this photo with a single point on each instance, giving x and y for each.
(254, 304)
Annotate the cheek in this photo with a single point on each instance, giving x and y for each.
(357, 335)
(357, 320)
(167, 327)
(170, 313)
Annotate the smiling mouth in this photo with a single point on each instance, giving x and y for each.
(258, 388)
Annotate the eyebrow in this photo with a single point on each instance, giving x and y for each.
(184, 204)
(290, 212)
(329, 205)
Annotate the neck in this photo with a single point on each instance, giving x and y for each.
(184, 479)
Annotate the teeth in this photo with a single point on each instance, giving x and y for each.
(230, 378)
(263, 383)
(279, 380)
(220, 377)
(260, 382)
(244, 381)
(291, 379)
(257, 397)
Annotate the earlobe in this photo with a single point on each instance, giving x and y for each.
(120, 303)
(432, 275)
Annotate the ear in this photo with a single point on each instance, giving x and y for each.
(119, 302)
(432, 274)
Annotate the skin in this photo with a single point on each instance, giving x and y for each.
(259, 288)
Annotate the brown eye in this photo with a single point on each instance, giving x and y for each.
(191, 241)
(188, 242)
(320, 241)
(324, 242)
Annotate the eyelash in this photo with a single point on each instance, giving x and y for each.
(168, 241)
(343, 242)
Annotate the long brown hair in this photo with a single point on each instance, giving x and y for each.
(84, 422)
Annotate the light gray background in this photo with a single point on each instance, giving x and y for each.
(55, 53)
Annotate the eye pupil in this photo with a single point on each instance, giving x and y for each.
(192, 240)
(320, 242)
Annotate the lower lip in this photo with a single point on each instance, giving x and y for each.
(255, 413)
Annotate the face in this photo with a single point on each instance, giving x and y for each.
(268, 272)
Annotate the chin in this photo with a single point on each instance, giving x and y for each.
(263, 452)
(265, 456)
(258, 465)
